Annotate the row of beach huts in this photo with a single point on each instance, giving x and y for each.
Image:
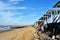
(50, 21)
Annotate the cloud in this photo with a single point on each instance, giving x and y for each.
(7, 19)
(33, 8)
(15, 0)
(32, 15)
(4, 6)
(8, 6)
(11, 17)
(21, 8)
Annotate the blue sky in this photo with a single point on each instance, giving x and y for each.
(23, 12)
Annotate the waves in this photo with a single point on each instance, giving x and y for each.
(8, 27)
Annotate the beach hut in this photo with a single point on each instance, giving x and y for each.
(53, 13)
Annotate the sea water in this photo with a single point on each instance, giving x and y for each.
(8, 27)
(4, 28)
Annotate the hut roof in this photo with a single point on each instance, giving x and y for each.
(57, 4)
(43, 18)
(47, 14)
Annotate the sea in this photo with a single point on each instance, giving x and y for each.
(8, 27)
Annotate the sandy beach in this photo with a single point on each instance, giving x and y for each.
(26, 33)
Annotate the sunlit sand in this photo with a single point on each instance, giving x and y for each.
(26, 33)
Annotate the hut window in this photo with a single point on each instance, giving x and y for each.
(58, 12)
(52, 12)
(58, 6)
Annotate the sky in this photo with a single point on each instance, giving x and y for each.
(23, 12)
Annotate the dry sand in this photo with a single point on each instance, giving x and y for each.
(26, 33)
